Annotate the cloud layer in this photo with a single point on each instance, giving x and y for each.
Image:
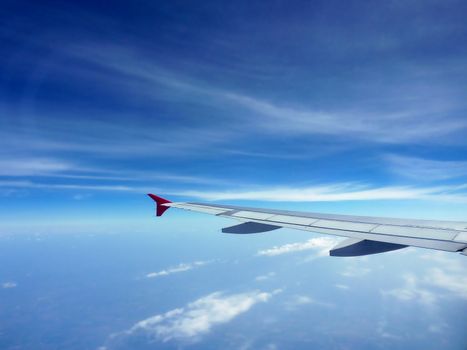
(448, 278)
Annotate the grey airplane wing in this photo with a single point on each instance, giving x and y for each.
(366, 235)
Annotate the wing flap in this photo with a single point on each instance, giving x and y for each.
(417, 232)
(249, 227)
(355, 247)
(461, 237)
(252, 215)
(198, 208)
(293, 220)
(344, 225)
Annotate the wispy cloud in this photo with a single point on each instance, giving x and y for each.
(243, 115)
(33, 166)
(355, 271)
(7, 285)
(300, 300)
(199, 317)
(412, 291)
(387, 126)
(342, 286)
(384, 333)
(321, 245)
(35, 185)
(53, 167)
(176, 269)
(318, 193)
(454, 283)
(265, 277)
(449, 275)
(439, 328)
(448, 278)
(338, 192)
(118, 138)
(421, 169)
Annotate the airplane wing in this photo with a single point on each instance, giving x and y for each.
(366, 235)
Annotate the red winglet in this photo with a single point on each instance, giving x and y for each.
(160, 201)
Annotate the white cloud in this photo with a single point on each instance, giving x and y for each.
(300, 300)
(389, 127)
(455, 283)
(31, 184)
(175, 269)
(449, 275)
(198, 317)
(320, 244)
(412, 291)
(121, 139)
(342, 286)
(448, 278)
(355, 271)
(438, 327)
(426, 169)
(381, 329)
(7, 285)
(33, 166)
(446, 260)
(338, 192)
(265, 277)
(58, 168)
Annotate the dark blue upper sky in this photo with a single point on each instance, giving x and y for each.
(269, 101)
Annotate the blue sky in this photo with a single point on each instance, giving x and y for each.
(289, 102)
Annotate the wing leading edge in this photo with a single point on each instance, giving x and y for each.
(367, 235)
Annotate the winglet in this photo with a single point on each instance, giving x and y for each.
(161, 208)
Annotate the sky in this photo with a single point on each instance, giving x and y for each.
(299, 103)
(348, 107)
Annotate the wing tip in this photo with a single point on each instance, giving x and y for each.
(160, 207)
